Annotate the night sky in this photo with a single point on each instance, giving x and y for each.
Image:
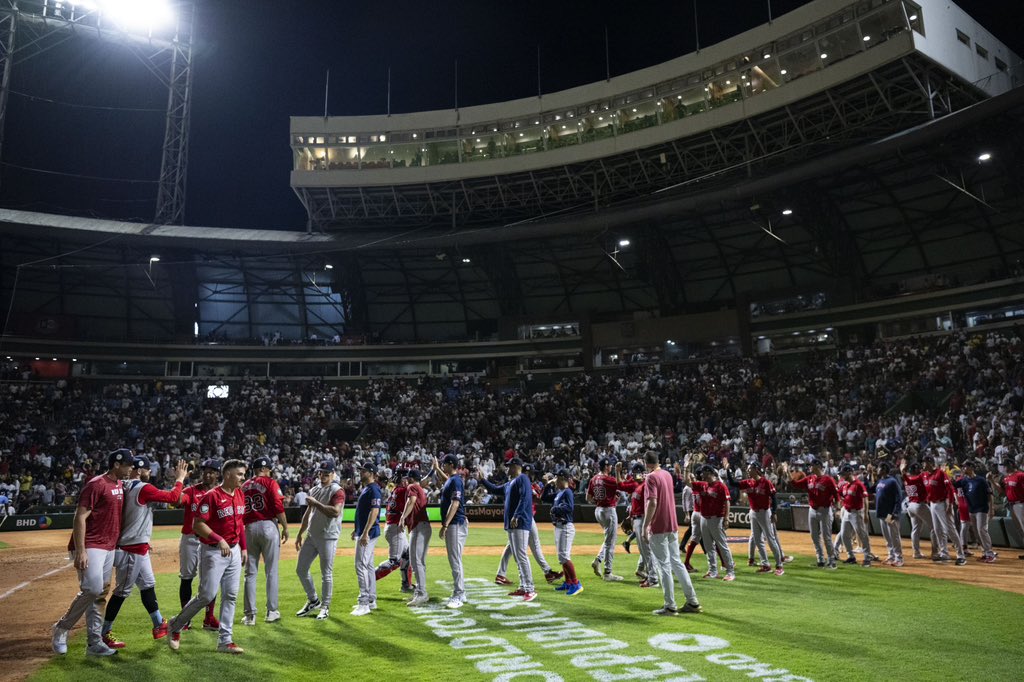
(260, 61)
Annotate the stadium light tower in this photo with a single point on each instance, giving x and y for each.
(159, 32)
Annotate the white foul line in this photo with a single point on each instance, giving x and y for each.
(14, 589)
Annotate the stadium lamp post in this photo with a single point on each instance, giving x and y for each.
(160, 33)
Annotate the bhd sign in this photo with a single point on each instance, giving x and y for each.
(36, 522)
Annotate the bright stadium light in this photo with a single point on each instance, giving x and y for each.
(787, 211)
(984, 157)
(132, 15)
(623, 242)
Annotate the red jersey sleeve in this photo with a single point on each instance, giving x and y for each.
(150, 493)
(801, 483)
(629, 485)
(339, 497)
(746, 484)
(277, 499)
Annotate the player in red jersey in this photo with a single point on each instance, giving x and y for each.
(414, 517)
(264, 510)
(761, 497)
(188, 545)
(822, 494)
(97, 527)
(398, 544)
(1012, 486)
(220, 525)
(853, 495)
(917, 507)
(939, 492)
(714, 504)
(603, 493)
(646, 570)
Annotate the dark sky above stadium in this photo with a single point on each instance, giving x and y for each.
(76, 109)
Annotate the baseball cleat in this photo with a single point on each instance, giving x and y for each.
(647, 583)
(373, 606)
(160, 631)
(309, 608)
(324, 614)
(821, 564)
(111, 640)
(710, 576)
(596, 565)
(574, 589)
(453, 604)
(501, 580)
(729, 577)
(408, 589)
(918, 555)
(764, 568)
(867, 563)
(59, 641)
(174, 641)
(960, 561)
(529, 596)
(418, 601)
(612, 578)
(779, 570)
(690, 569)
(787, 559)
(211, 623)
(563, 587)
(850, 560)
(692, 608)
(272, 617)
(640, 574)
(100, 649)
(249, 620)
(552, 576)
(832, 565)
(988, 559)
(898, 563)
(230, 648)
(517, 593)
(750, 561)
(361, 610)
(665, 611)
(625, 546)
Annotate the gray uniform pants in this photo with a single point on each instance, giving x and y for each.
(132, 570)
(563, 542)
(92, 595)
(665, 553)
(366, 576)
(893, 542)
(646, 558)
(819, 519)
(313, 547)
(262, 539)
(853, 522)
(920, 518)
(1017, 512)
(764, 533)
(609, 520)
(419, 542)
(535, 548)
(188, 557)
(713, 532)
(218, 573)
(455, 541)
(980, 522)
(942, 530)
(518, 539)
(397, 542)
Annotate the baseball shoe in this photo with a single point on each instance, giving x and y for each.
(729, 577)
(832, 565)
(940, 559)
(647, 583)
(160, 631)
(787, 559)
(960, 561)
(59, 640)
(373, 606)
(1020, 557)
(690, 569)
(230, 648)
(692, 608)
(174, 641)
(211, 623)
(324, 614)
(821, 564)
(641, 574)
(309, 608)
(501, 580)
(780, 571)
(612, 578)
(100, 649)
(418, 601)
(272, 617)
(453, 603)
(968, 553)
(988, 559)
(850, 560)
(564, 587)
(517, 593)
(898, 563)
(551, 576)
(249, 620)
(867, 563)
(764, 568)
(529, 596)
(665, 611)
(574, 589)
(187, 627)
(750, 561)
(361, 610)
(918, 555)
(408, 589)
(111, 640)
(596, 565)
(625, 546)
(710, 576)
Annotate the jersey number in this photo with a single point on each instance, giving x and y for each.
(254, 503)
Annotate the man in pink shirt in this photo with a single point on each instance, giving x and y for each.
(661, 527)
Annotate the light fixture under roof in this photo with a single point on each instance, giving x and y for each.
(623, 242)
(866, 38)
(155, 258)
(913, 17)
(824, 55)
(985, 156)
(787, 211)
(466, 260)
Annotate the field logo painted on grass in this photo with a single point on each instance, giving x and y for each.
(480, 642)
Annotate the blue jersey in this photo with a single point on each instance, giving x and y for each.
(977, 491)
(368, 511)
(563, 507)
(518, 500)
(888, 497)
(453, 492)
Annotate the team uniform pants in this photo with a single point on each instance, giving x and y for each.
(535, 548)
(644, 545)
(419, 542)
(920, 518)
(609, 520)
(313, 547)
(665, 553)
(763, 532)
(891, 533)
(518, 539)
(188, 557)
(397, 542)
(1017, 512)
(132, 570)
(942, 530)
(819, 519)
(262, 539)
(218, 572)
(564, 536)
(455, 541)
(713, 531)
(980, 522)
(92, 595)
(853, 522)
(365, 574)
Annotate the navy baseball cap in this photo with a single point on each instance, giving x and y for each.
(638, 468)
(369, 466)
(399, 474)
(413, 474)
(562, 472)
(327, 466)
(261, 463)
(604, 462)
(119, 457)
(212, 463)
(515, 461)
(846, 468)
(140, 462)
(708, 469)
(527, 467)
(450, 459)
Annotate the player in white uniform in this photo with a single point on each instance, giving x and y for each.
(322, 520)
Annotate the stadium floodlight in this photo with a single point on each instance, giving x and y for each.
(155, 258)
(623, 242)
(466, 260)
(984, 157)
(328, 266)
(787, 211)
(132, 15)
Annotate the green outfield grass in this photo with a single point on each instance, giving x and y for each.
(848, 624)
(4, 545)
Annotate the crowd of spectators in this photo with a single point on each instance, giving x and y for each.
(956, 396)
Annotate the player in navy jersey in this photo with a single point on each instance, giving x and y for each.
(454, 525)
(366, 532)
(562, 512)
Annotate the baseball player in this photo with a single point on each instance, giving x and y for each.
(454, 525)
(535, 547)
(888, 502)
(917, 507)
(518, 521)
(220, 525)
(189, 545)
(131, 561)
(822, 494)
(761, 497)
(1012, 486)
(97, 527)
(414, 517)
(264, 510)
(645, 566)
(662, 530)
(562, 511)
(853, 495)
(603, 493)
(978, 493)
(321, 526)
(714, 503)
(394, 533)
(939, 493)
(366, 532)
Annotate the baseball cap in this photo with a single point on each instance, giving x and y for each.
(399, 474)
(450, 459)
(527, 467)
(413, 474)
(638, 468)
(603, 462)
(140, 462)
(368, 466)
(707, 469)
(562, 472)
(212, 463)
(119, 456)
(327, 466)
(846, 468)
(515, 461)
(261, 463)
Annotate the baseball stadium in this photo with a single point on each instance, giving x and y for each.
(589, 341)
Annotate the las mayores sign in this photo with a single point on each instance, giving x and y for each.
(517, 640)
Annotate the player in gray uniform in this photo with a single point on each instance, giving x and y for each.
(323, 521)
(132, 564)
(264, 510)
(454, 525)
(189, 545)
(535, 548)
(419, 537)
